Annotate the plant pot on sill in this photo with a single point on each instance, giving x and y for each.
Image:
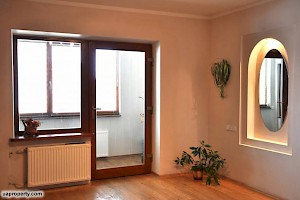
(30, 127)
(30, 132)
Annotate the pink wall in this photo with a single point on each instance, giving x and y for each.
(269, 172)
(184, 48)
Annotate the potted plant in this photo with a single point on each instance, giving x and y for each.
(221, 73)
(196, 165)
(31, 127)
(202, 160)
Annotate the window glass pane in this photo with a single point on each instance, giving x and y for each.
(264, 83)
(106, 76)
(268, 82)
(66, 78)
(49, 83)
(32, 64)
(130, 126)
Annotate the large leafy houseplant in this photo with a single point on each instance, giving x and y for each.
(203, 159)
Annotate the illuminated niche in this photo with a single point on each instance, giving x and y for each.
(254, 130)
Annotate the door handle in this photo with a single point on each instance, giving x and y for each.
(93, 114)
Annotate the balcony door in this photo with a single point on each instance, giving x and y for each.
(121, 107)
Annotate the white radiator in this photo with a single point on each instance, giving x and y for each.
(48, 165)
(102, 143)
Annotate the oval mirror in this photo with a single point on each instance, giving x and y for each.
(273, 90)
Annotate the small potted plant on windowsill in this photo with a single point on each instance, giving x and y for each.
(203, 160)
(31, 127)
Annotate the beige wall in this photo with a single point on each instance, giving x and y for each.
(186, 85)
(272, 173)
(184, 48)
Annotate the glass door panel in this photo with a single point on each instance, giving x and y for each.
(120, 108)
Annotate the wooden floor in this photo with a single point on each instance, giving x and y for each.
(153, 187)
(119, 161)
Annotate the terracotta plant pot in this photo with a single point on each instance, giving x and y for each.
(30, 132)
(197, 174)
(30, 127)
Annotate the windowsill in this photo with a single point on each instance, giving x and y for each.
(265, 107)
(268, 141)
(266, 149)
(101, 115)
(51, 137)
(264, 144)
(50, 116)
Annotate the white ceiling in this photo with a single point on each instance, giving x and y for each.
(185, 8)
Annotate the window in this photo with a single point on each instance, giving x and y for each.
(268, 82)
(55, 81)
(107, 76)
(265, 84)
(48, 83)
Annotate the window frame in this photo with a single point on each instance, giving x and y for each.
(84, 91)
(126, 46)
(87, 104)
(114, 45)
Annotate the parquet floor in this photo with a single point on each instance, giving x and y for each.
(153, 187)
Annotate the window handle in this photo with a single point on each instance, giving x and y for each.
(96, 109)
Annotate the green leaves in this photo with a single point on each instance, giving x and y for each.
(203, 158)
(216, 180)
(186, 159)
(221, 73)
